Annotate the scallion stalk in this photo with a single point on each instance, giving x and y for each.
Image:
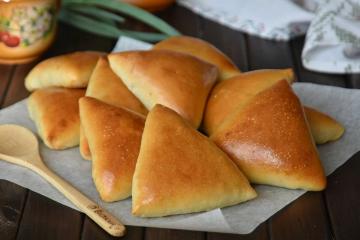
(99, 17)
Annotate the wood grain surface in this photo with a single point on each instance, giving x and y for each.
(332, 214)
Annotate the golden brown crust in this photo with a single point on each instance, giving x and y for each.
(84, 145)
(55, 112)
(179, 170)
(114, 136)
(107, 87)
(323, 127)
(176, 80)
(226, 95)
(70, 70)
(269, 139)
(203, 50)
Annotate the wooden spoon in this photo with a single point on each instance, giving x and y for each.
(20, 146)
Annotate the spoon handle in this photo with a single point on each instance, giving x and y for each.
(104, 219)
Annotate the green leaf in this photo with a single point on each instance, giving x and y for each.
(129, 10)
(97, 12)
(78, 22)
(104, 29)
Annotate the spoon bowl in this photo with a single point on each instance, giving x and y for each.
(17, 141)
(20, 146)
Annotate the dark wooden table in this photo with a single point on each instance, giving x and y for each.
(332, 214)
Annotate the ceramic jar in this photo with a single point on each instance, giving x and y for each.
(27, 29)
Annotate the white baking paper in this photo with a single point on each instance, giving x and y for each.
(343, 104)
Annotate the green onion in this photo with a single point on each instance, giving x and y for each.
(99, 17)
(97, 12)
(86, 24)
(106, 30)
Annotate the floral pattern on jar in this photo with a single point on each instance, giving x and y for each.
(27, 25)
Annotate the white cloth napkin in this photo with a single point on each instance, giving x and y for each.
(332, 26)
(333, 39)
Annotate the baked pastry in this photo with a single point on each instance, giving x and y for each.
(84, 145)
(71, 70)
(269, 139)
(176, 80)
(179, 170)
(114, 136)
(107, 87)
(203, 50)
(323, 128)
(55, 112)
(226, 95)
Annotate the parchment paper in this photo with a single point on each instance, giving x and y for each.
(343, 104)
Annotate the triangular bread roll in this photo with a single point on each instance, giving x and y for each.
(55, 112)
(203, 50)
(71, 70)
(269, 139)
(323, 128)
(176, 80)
(179, 170)
(107, 87)
(226, 95)
(84, 145)
(114, 136)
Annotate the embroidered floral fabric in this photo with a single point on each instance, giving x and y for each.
(333, 40)
(332, 26)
